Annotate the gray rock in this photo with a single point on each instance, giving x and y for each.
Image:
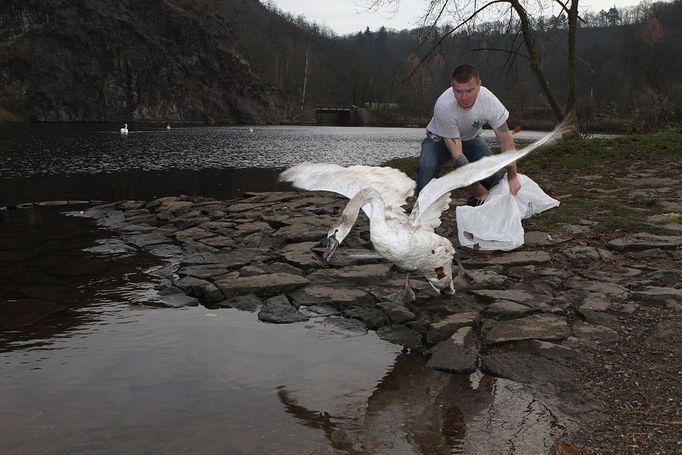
(534, 327)
(344, 257)
(447, 326)
(511, 259)
(396, 312)
(368, 274)
(505, 309)
(301, 255)
(302, 233)
(249, 228)
(457, 354)
(111, 246)
(599, 318)
(514, 295)
(645, 241)
(330, 295)
(528, 369)
(596, 301)
(283, 267)
(204, 271)
(401, 335)
(278, 310)
(658, 294)
(372, 317)
(584, 255)
(175, 298)
(594, 335)
(201, 289)
(247, 302)
(537, 238)
(143, 240)
(263, 286)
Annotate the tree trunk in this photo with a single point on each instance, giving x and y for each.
(571, 71)
(534, 62)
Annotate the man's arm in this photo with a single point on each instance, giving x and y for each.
(455, 148)
(506, 141)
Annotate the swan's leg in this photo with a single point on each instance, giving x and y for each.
(463, 271)
(405, 295)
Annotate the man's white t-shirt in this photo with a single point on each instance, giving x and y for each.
(451, 121)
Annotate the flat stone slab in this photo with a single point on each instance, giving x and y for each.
(528, 368)
(371, 274)
(317, 294)
(262, 286)
(505, 309)
(644, 241)
(510, 259)
(513, 295)
(278, 310)
(457, 354)
(534, 327)
(658, 294)
(446, 327)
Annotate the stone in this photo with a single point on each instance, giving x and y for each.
(396, 312)
(263, 285)
(584, 255)
(111, 246)
(594, 335)
(534, 327)
(645, 241)
(457, 354)
(513, 295)
(344, 257)
(247, 302)
(278, 310)
(372, 317)
(368, 274)
(143, 240)
(658, 294)
(505, 309)
(528, 369)
(443, 329)
(596, 301)
(512, 259)
(331, 295)
(301, 255)
(401, 335)
(302, 233)
(201, 289)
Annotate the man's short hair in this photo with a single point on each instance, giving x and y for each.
(464, 73)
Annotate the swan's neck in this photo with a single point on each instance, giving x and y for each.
(365, 196)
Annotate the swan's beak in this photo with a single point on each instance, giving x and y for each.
(332, 244)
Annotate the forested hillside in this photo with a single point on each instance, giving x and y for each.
(243, 61)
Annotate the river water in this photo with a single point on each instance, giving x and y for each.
(89, 363)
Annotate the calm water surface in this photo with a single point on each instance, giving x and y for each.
(90, 364)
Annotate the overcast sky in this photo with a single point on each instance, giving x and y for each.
(351, 16)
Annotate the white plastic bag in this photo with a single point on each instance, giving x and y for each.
(496, 224)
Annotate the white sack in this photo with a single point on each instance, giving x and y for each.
(496, 224)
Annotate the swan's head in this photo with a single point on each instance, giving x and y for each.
(335, 236)
(440, 279)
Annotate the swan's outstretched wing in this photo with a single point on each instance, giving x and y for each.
(429, 204)
(393, 185)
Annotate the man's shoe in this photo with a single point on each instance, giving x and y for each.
(473, 201)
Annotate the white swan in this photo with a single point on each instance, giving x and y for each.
(168, 127)
(124, 130)
(408, 241)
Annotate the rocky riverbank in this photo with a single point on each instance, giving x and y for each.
(590, 327)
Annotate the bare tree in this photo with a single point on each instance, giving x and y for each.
(467, 13)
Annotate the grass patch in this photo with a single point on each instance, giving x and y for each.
(611, 184)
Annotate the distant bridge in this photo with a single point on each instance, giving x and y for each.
(338, 115)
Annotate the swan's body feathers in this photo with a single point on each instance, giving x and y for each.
(409, 242)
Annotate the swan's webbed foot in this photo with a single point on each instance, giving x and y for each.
(405, 295)
(467, 276)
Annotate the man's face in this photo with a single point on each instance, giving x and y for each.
(466, 93)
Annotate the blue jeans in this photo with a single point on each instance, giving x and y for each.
(435, 153)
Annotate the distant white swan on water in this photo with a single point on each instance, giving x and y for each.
(408, 241)
(124, 130)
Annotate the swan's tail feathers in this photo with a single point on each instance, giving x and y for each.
(393, 185)
(478, 170)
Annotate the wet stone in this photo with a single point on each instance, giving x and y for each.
(247, 302)
(658, 294)
(534, 327)
(401, 335)
(331, 295)
(279, 310)
(372, 317)
(447, 326)
(644, 241)
(176, 298)
(396, 312)
(512, 259)
(201, 289)
(457, 354)
(362, 274)
(528, 369)
(505, 309)
(111, 246)
(263, 285)
(345, 257)
(302, 233)
(513, 295)
(144, 240)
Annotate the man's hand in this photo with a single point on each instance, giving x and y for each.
(514, 184)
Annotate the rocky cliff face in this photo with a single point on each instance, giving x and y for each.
(125, 60)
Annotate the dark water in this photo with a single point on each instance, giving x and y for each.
(89, 364)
